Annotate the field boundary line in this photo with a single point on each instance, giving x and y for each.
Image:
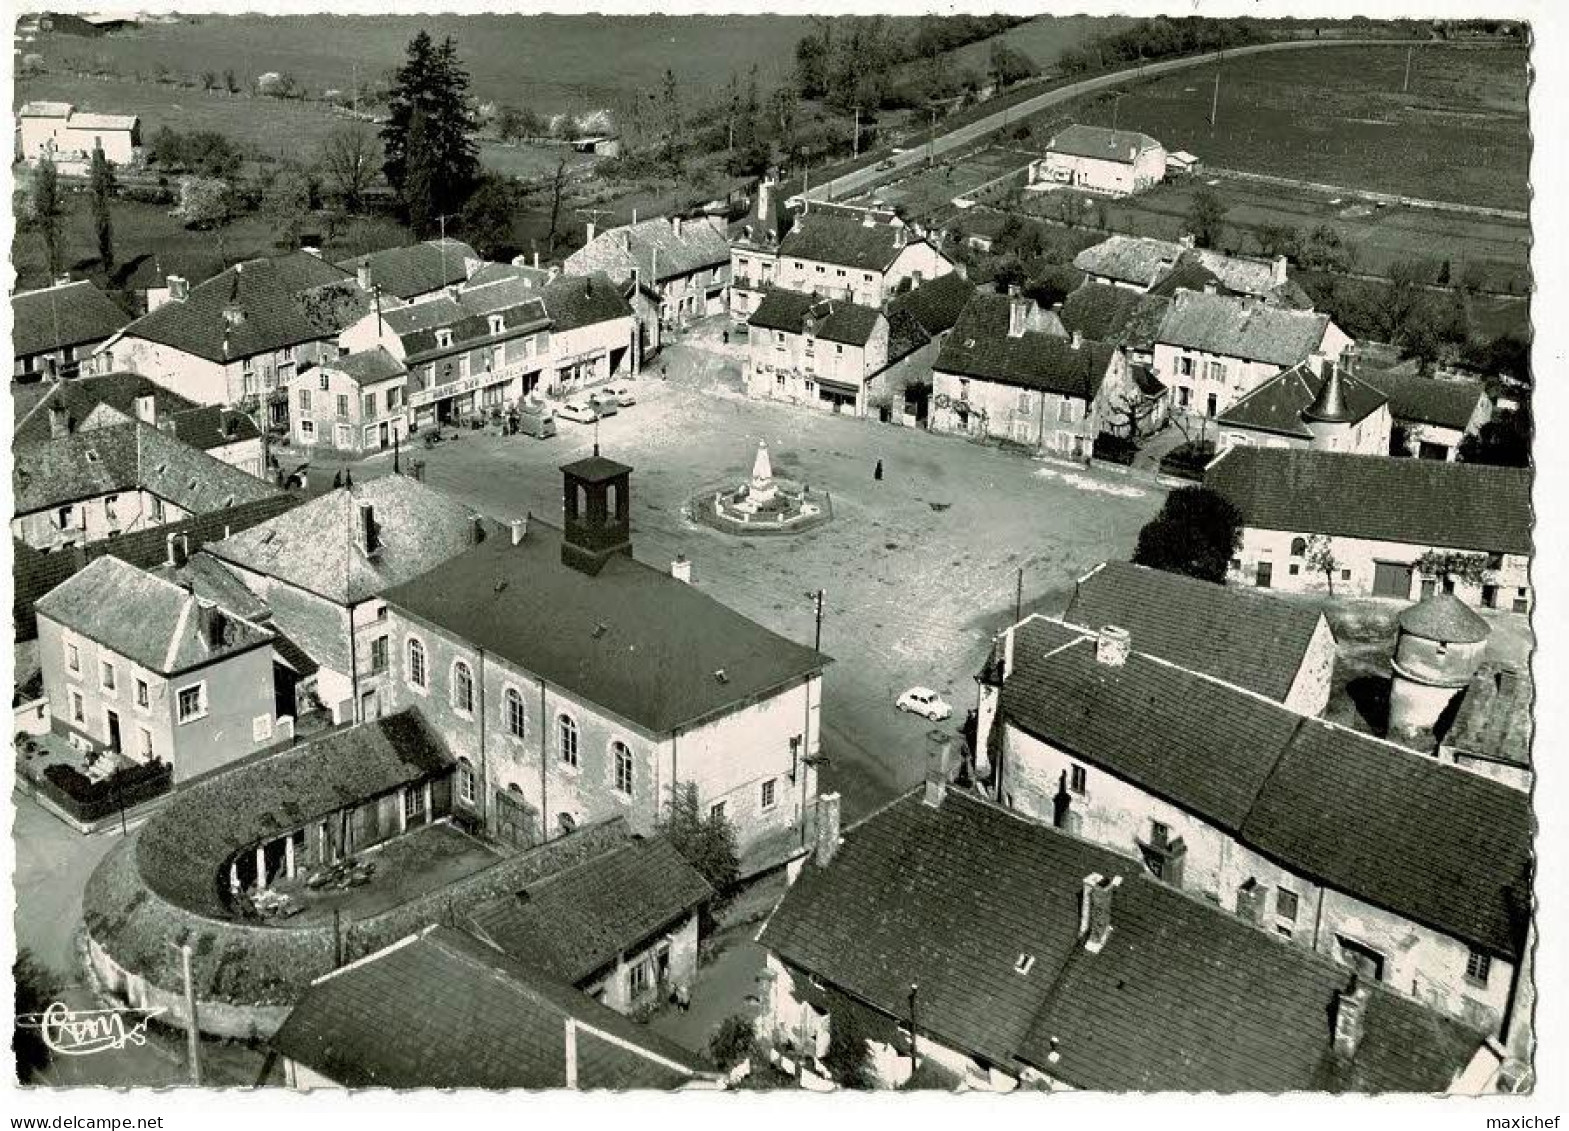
(1369, 194)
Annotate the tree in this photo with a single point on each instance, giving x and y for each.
(101, 186)
(209, 80)
(45, 210)
(811, 61)
(558, 187)
(734, 1040)
(442, 161)
(1207, 218)
(287, 201)
(1320, 555)
(1279, 239)
(1195, 533)
(1504, 441)
(513, 124)
(706, 843)
(488, 215)
(230, 82)
(348, 163)
(205, 202)
(848, 1059)
(37, 988)
(1008, 66)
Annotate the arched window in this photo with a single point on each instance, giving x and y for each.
(417, 663)
(465, 781)
(462, 687)
(566, 739)
(515, 718)
(1298, 547)
(623, 767)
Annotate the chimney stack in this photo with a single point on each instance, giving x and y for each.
(570, 1054)
(370, 533)
(63, 280)
(363, 275)
(827, 829)
(59, 422)
(1077, 341)
(1095, 910)
(938, 745)
(675, 226)
(177, 549)
(681, 569)
(1112, 645)
(1186, 240)
(179, 289)
(536, 259)
(1018, 313)
(519, 530)
(1277, 274)
(147, 408)
(589, 232)
(1350, 1017)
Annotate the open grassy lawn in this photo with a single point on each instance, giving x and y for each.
(931, 191)
(1338, 116)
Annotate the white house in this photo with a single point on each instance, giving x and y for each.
(860, 258)
(68, 136)
(1099, 160)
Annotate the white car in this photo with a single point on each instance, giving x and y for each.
(925, 702)
(605, 403)
(622, 393)
(580, 409)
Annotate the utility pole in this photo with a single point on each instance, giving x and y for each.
(1406, 85)
(915, 1061)
(931, 136)
(817, 639)
(855, 146)
(354, 92)
(192, 1033)
(1214, 103)
(1018, 597)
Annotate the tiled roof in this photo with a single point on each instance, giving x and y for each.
(71, 315)
(1444, 617)
(1494, 720)
(833, 320)
(444, 1010)
(654, 250)
(1166, 266)
(287, 300)
(144, 618)
(1382, 824)
(1189, 274)
(184, 846)
(574, 301)
(45, 110)
(468, 317)
(632, 639)
(845, 242)
(87, 120)
(415, 269)
(93, 402)
(211, 580)
(496, 272)
(1251, 640)
(980, 347)
(1118, 316)
(1122, 146)
(368, 366)
(319, 547)
(937, 304)
(1448, 403)
(1242, 327)
(1277, 405)
(1182, 997)
(572, 924)
(1130, 259)
(1458, 506)
(122, 457)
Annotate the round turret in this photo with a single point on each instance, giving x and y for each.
(1439, 647)
(1329, 418)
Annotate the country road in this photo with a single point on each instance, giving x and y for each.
(968, 134)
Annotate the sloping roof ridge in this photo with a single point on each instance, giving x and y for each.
(375, 955)
(549, 879)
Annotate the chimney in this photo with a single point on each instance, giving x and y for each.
(1209, 287)
(1018, 313)
(233, 314)
(1186, 240)
(675, 226)
(590, 231)
(519, 530)
(1112, 645)
(681, 569)
(147, 408)
(363, 275)
(59, 422)
(476, 530)
(1077, 341)
(62, 280)
(827, 829)
(370, 533)
(179, 289)
(1350, 1017)
(867, 220)
(1277, 274)
(1095, 910)
(938, 744)
(536, 259)
(178, 550)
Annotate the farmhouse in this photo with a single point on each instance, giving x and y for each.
(67, 136)
(1213, 349)
(1329, 410)
(1164, 267)
(974, 946)
(1437, 413)
(687, 261)
(322, 567)
(1005, 372)
(55, 329)
(143, 669)
(1095, 159)
(1412, 873)
(115, 398)
(351, 404)
(239, 334)
(864, 260)
(415, 271)
(580, 683)
(1394, 527)
(485, 1020)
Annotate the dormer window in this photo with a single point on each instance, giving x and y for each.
(443, 339)
(497, 324)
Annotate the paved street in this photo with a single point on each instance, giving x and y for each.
(920, 568)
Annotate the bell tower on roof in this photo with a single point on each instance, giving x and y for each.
(596, 512)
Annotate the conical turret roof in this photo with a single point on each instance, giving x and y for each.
(1444, 617)
(1330, 404)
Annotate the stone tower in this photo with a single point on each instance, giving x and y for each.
(1438, 649)
(1328, 417)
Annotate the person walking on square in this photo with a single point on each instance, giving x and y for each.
(877, 472)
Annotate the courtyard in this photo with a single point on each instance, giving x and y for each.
(919, 568)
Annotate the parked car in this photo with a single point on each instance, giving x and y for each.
(581, 409)
(535, 418)
(622, 392)
(925, 702)
(886, 163)
(604, 403)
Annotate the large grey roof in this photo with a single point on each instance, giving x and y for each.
(979, 347)
(416, 269)
(70, 315)
(1122, 146)
(1278, 404)
(653, 249)
(1242, 327)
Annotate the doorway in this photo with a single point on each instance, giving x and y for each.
(383, 434)
(112, 721)
(1391, 579)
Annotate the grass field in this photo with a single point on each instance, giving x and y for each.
(1338, 116)
(930, 192)
(1043, 39)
